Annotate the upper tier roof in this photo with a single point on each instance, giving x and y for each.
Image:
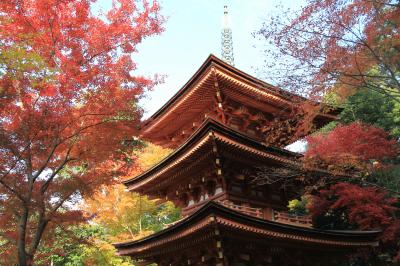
(227, 94)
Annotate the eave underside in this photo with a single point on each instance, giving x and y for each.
(215, 229)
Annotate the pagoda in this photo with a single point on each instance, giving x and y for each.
(216, 124)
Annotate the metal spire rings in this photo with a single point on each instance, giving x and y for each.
(226, 39)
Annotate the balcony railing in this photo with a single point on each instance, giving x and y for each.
(256, 212)
(277, 216)
(287, 218)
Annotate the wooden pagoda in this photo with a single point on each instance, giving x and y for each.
(217, 124)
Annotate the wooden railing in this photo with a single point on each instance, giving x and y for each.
(256, 212)
(287, 218)
(279, 217)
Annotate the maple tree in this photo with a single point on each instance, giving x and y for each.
(128, 215)
(373, 108)
(123, 216)
(338, 47)
(366, 208)
(349, 50)
(349, 148)
(356, 151)
(116, 215)
(349, 206)
(68, 97)
(84, 244)
(355, 192)
(148, 156)
(341, 45)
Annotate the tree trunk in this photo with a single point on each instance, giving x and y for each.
(21, 243)
(23, 257)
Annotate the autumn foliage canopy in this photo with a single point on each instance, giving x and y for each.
(349, 206)
(349, 146)
(365, 208)
(343, 45)
(68, 97)
(347, 195)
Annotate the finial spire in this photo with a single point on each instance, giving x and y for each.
(226, 39)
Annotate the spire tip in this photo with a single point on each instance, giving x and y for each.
(226, 40)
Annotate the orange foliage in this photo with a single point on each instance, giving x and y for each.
(67, 103)
(120, 212)
(127, 215)
(145, 157)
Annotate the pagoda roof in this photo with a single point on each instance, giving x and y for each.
(197, 96)
(213, 61)
(214, 215)
(201, 143)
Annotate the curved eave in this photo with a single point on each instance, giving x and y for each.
(215, 61)
(218, 215)
(201, 86)
(209, 130)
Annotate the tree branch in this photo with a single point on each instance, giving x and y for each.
(59, 168)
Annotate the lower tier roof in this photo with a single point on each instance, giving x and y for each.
(214, 219)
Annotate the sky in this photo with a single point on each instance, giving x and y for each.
(192, 33)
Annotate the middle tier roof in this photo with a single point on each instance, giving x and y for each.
(211, 141)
